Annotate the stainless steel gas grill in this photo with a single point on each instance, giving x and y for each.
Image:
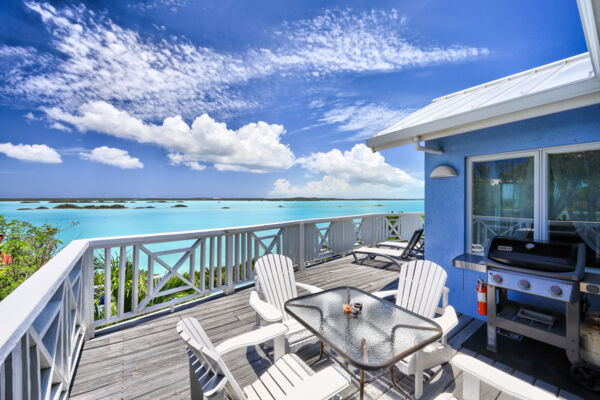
(543, 269)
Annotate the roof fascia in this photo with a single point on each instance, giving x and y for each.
(574, 95)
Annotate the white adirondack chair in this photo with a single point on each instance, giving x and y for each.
(420, 287)
(476, 371)
(276, 284)
(289, 378)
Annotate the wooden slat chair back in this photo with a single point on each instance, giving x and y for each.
(208, 372)
(420, 287)
(275, 280)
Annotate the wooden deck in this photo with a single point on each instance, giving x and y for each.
(148, 360)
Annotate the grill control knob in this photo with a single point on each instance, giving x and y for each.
(555, 291)
(497, 278)
(523, 284)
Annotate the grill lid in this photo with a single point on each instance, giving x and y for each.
(548, 257)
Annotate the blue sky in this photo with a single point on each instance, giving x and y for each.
(224, 98)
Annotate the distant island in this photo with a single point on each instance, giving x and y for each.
(89, 207)
(180, 199)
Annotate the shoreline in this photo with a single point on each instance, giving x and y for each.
(26, 200)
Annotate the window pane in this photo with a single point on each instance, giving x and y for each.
(503, 195)
(574, 200)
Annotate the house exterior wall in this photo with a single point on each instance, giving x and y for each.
(445, 198)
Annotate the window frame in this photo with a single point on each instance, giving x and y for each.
(469, 187)
(540, 205)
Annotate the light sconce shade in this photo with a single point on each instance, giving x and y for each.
(443, 171)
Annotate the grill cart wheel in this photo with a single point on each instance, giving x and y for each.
(586, 375)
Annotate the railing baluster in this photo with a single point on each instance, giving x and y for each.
(301, 246)
(236, 263)
(211, 264)
(107, 284)
(122, 267)
(17, 372)
(150, 284)
(244, 256)
(229, 264)
(135, 278)
(202, 267)
(192, 277)
(249, 274)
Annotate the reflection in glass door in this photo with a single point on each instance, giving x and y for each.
(574, 200)
(502, 202)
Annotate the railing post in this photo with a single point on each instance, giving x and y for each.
(229, 264)
(87, 291)
(374, 231)
(301, 246)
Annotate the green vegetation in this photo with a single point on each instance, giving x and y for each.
(24, 248)
(115, 262)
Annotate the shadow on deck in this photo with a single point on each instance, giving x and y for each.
(148, 360)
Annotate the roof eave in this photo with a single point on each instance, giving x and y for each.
(579, 94)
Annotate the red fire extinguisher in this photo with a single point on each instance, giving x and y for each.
(481, 297)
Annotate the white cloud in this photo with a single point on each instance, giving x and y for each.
(31, 152)
(341, 40)
(365, 119)
(178, 158)
(112, 156)
(172, 5)
(60, 127)
(255, 147)
(357, 172)
(152, 78)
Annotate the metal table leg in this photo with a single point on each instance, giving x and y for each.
(320, 354)
(362, 384)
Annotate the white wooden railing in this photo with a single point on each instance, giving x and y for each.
(486, 227)
(96, 282)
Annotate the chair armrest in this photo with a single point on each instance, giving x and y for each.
(321, 386)
(476, 370)
(309, 288)
(448, 320)
(382, 294)
(445, 291)
(252, 338)
(266, 310)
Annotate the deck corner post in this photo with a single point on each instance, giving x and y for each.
(301, 246)
(87, 290)
(229, 288)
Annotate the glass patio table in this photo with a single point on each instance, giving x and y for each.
(381, 335)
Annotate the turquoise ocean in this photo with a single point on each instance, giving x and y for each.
(201, 214)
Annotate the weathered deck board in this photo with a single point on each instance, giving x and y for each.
(148, 361)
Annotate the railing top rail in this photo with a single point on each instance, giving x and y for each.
(24, 304)
(186, 235)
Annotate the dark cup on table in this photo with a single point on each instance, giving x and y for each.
(358, 306)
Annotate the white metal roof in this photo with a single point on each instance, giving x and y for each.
(563, 85)
(554, 87)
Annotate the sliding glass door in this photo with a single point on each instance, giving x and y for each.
(573, 204)
(546, 194)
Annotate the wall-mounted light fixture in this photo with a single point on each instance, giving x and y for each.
(443, 171)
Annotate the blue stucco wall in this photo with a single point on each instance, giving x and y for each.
(445, 198)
